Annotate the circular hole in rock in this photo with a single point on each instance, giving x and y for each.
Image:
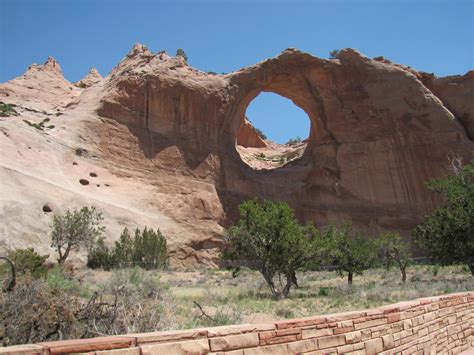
(92, 174)
(47, 209)
(286, 125)
(98, 185)
(74, 163)
(84, 182)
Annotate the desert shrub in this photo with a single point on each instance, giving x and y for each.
(7, 110)
(269, 239)
(147, 249)
(448, 233)
(292, 141)
(32, 313)
(99, 256)
(394, 250)
(57, 280)
(260, 133)
(74, 230)
(27, 261)
(352, 254)
(334, 54)
(180, 52)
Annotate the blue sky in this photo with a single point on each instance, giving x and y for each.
(225, 35)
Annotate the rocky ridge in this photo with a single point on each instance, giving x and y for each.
(161, 138)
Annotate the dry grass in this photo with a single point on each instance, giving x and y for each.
(246, 299)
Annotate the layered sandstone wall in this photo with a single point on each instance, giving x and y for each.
(377, 132)
(435, 325)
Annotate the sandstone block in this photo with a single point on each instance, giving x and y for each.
(232, 342)
(177, 348)
(373, 346)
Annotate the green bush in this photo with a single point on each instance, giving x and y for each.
(292, 141)
(448, 233)
(334, 54)
(147, 250)
(260, 133)
(180, 52)
(7, 110)
(27, 261)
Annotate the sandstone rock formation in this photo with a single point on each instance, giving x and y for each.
(248, 136)
(93, 77)
(163, 135)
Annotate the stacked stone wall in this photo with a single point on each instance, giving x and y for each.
(435, 325)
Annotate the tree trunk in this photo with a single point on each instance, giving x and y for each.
(404, 274)
(271, 284)
(294, 279)
(349, 278)
(63, 257)
(290, 279)
(471, 267)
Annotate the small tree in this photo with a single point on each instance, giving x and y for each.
(448, 233)
(350, 254)
(99, 256)
(334, 53)
(74, 230)
(393, 249)
(123, 250)
(268, 238)
(149, 249)
(180, 52)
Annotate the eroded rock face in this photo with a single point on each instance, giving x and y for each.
(457, 94)
(248, 136)
(377, 132)
(161, 137)
(93, 77)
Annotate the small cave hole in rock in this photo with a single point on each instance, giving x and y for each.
(74, 163)
(92, 174)
(47, 209)
(273, 133)
(84, 182)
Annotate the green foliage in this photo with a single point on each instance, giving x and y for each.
(292, 141)
(260, 133)
(59, 282)
(147, 250)
(99, 256)
(351, 254)
(261, 156)
(27, 261)
(7, 110)
(448, 233)
(268, 238)
(334, 53)
(394, 250)
(74, 230)
(180, 52)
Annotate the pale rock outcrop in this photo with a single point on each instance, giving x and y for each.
(93, 77)
(248, 136)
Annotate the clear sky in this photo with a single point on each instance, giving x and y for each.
(225, 35)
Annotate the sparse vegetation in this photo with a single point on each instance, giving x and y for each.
(147, 250)
(293, 141)
(75, 230)
(41, 125)
(448, 233)
(29, 262)
(260, 133)
(334, 54)
(180, 52)
(7, 110)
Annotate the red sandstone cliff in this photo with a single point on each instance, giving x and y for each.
(164, 134)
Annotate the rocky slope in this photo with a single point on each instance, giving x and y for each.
(160, 138)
